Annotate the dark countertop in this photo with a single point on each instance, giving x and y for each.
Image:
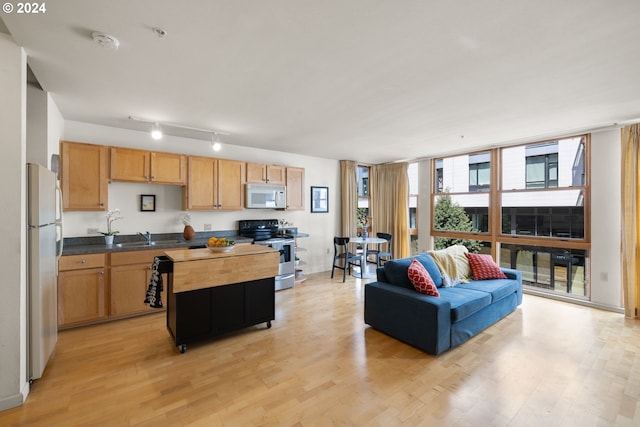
(95, 244)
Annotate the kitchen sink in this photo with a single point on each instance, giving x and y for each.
(142, 244)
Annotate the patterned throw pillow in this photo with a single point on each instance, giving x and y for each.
(483, 267)
(421, 280)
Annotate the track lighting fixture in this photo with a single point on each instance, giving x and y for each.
(156, 131)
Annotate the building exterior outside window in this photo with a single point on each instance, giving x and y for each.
(412, 172)
(535, 218)
(364, 209)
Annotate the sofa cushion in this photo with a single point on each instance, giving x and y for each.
(483, 267)
(464, 301)
(397, 271)
(421, 280)
(498, 288)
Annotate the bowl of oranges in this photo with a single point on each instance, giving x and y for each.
(220, 244)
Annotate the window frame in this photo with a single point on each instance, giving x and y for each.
(495, 234)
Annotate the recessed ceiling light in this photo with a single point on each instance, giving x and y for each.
(105, 40)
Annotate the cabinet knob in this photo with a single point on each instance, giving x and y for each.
(83, 261)
(153, 177)
(101, 273)
(146, 177)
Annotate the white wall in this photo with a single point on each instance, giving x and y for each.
(13, 385)
(166, 219)
(55, 128)
(37, 149)
(605, 218)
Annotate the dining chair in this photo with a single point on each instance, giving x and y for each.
(343, 259)
(379, 253)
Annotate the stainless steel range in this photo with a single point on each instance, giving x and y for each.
(265, 232)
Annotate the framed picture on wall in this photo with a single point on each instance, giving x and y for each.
(148, 202)
(319, 199)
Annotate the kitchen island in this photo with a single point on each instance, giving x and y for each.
(212, 293)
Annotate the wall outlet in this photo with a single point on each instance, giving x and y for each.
(92, 230)
(207, 227)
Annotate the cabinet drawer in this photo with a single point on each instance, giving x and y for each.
(136, 257)
(79, 262)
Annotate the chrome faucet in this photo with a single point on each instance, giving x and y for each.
(146, 237)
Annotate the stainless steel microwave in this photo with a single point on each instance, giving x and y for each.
(266, 196)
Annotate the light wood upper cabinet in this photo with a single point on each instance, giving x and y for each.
(168, 168)
(262, 173)
(230, 183)
(214, 184)
(146, 166)
(84, 176)
(295, 188)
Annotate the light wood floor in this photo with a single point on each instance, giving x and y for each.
(547, 364)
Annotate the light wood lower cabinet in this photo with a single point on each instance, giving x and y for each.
(99, 287)
(82, 293)
(130, 273)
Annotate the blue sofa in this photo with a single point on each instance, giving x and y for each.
(437, 324)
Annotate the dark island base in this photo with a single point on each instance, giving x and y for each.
(206, 313)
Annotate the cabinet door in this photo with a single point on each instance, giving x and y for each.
(84, 176)
(129, 279)
(168, 168)
(256, 173)
(81, 296)
(128, 289)
(260, 295)
(200, 193)
(228, 307)
(129, 165)
(230, 183)
(295, 189)
(276, 174)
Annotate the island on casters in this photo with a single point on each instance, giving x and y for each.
(209, 294)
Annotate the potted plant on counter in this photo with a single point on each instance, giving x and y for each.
(109, 235)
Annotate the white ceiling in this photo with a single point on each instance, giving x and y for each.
(373, 81)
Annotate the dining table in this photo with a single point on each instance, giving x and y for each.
(365, 241)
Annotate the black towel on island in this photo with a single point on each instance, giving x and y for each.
(154, 288)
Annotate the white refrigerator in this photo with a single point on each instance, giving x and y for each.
(44, 246)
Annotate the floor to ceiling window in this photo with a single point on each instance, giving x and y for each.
(412, 172)
(363, 216)
(527, 205)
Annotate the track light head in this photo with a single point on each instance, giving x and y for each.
(215, 142)
(156, 132)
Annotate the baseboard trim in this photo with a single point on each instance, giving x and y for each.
(15, 400)
(589, 304)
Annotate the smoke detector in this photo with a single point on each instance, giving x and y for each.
(105, 40)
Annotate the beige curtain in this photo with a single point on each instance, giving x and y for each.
(630, 217)
(349, 197)
(389, 189)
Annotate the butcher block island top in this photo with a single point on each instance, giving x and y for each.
(200, 268)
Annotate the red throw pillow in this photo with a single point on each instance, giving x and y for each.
(483, 267)
(421, 280)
